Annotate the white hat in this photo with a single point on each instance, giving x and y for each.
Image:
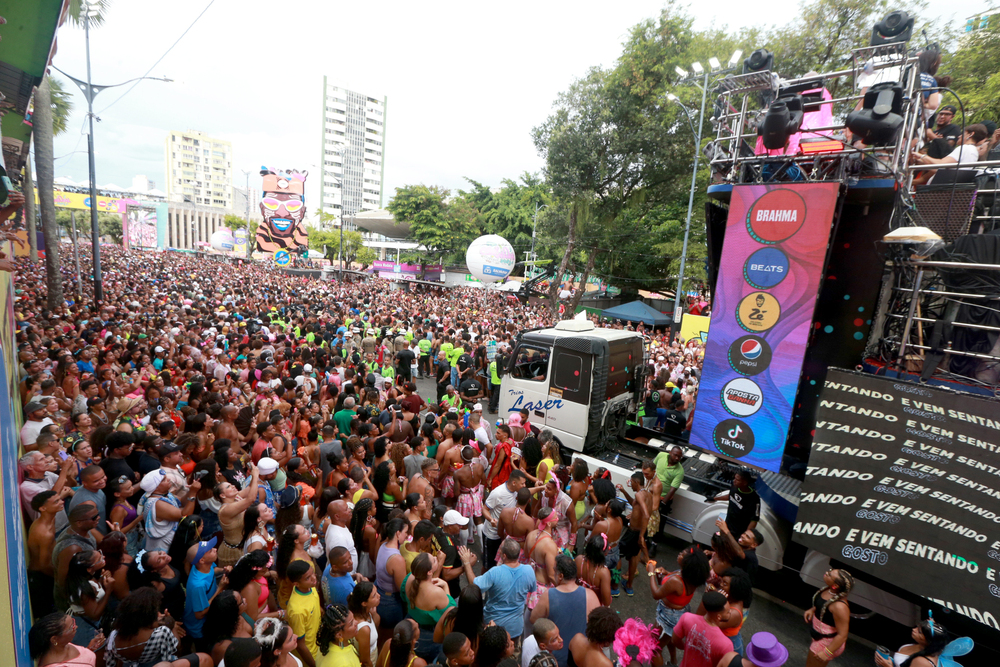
(478, 407)
(308, 368)
(267, 465)
(157, 349)
(151, 480)
(453, 518)
(175, 331)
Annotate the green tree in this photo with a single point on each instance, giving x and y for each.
(975, 76)
(235, 222)
(441, 229)
(355, 251)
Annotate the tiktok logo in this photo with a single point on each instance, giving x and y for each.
(733, 437)
(735, 431)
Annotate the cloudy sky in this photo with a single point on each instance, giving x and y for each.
(466, 81)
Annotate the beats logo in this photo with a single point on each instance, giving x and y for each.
(765, 268)
(749, 355)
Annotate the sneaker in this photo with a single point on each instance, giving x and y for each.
(615, 592)
(628, 591)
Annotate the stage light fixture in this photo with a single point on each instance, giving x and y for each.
(714, 63)
(782, 120)
(880, 118)
(682, 73)
(737, 54)
(758, 61)
(672, 97)
(697, 68)
(896, 27)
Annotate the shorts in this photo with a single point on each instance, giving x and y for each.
(629, 544)
(192, 659)
(470, 503)
(667, 618)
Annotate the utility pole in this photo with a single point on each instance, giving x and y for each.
(76, 255)
(247, 174)
(95, 235)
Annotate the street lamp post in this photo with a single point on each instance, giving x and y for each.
(90, 91)
(247, 174)
(699, 71)
(534, 225)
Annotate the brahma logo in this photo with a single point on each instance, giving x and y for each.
(742, 397)
(776, 216)
(749, 355)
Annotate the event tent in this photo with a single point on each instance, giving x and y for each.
(637, 311)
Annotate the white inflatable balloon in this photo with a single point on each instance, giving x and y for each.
(223, 240)
(490, 258)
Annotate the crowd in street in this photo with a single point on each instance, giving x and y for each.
(223, 464)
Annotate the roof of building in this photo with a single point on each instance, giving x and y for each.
(381, 222)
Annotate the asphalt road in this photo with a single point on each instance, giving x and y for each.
(768, 612)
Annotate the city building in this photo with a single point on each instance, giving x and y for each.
(240, 203)
(353, 152)
(987, 18)
(199, 169)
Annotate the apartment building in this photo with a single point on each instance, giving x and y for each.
(199, 169)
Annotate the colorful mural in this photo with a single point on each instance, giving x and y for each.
(283, 206)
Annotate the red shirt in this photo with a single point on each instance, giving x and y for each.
(704, 644)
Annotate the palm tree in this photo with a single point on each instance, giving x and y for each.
(62, 106)
(51, 114)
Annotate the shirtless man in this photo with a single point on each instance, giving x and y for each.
(41, 539)
(423, 482)
(227, 429)
(654, 486)
(609, 522)
(448, 462)
(634, 535)
(469, 488)
(515, 522)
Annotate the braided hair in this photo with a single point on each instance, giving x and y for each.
(334, 620)
(359, 519)
(845, 582)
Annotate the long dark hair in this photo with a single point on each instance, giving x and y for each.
(937, 639)
(251, 517)
(140, 609)
(41, 633)
(695, 568)
(244, 570)
(359, 519)
(222, 619)
(78, 577)
(380, 479)
(469, 614)
(333, 621)
(270, 633)
(401, 644)
(286, 547)
(186, 535)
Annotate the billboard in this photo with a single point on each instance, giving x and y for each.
(903, 483)
(283, 205)
(762, 312)
(140, 229)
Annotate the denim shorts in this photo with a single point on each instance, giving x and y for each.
(667, 618)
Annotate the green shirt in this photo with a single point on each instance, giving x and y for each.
(670, 475)
(425, 346)
(343, 419)
(388, 372)
(447, 348)
(452, 401)
(456, 352)
(494, 378)
(408, 335)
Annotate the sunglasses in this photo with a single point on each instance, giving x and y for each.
(291, 205)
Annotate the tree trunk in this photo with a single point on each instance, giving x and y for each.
(557, 279)
(583, 283)
(29, 211)
(46, 175)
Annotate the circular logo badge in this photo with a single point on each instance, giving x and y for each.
(766, 268)
(733, 438)
(282, 258)
(758, 312)
(742, 397)
(749, 355)
(776, 216)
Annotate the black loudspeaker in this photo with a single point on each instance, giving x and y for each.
(758, 61)
(879, 120)
(895, 27)
(782, 120)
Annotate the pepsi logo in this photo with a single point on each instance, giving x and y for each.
(749, 355)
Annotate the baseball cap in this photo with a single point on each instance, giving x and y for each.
(151, 480)
(204, 548)
(453, 518)
(157, 349)
(168, 447)
(947, 107)
(267, 465)
(289, 496)
(33, 406)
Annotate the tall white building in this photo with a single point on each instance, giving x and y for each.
(199, 169)
(353, 151)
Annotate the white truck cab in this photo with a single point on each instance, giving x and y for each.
(574, 379)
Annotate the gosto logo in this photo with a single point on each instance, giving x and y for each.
(758, 312)
(733, 438)
(766, 268)
(749, 355)
(776, 216)
(742, 397)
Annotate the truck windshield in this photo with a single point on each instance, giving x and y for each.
(531, 363)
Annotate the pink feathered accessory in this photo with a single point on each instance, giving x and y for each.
(636, 633)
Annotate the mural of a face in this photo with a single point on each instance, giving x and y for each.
(283, 208)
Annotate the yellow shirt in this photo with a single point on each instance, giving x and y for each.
(303, 615)
(548, 474)
(339, 657)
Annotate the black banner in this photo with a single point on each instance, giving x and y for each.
(904, 484)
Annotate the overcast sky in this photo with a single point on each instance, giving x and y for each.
(466, 81)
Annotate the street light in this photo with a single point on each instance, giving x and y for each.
(697, 68)
(534, 224)
(90, 91)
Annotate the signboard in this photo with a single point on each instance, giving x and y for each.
(694, 327)
(81, 201)
(140, 227)
(772, 263)
(903, 483)
(282, 258)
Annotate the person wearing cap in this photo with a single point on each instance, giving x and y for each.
(700, 637)
(35, 419)
(164, 510)
(943, 134)
(202, 587)
(129, 418)
(764, 650)
(39, 475)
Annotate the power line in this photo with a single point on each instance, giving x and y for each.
(158, 60)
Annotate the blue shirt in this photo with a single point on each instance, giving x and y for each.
(85, 367)
(506, 590)
(200, 589)
(336, 589)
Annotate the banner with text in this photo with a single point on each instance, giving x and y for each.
(903, 482)
(762, 311)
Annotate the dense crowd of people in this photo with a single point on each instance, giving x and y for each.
(225, 465)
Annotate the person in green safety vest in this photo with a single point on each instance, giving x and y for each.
(494, 385)
(451, 398)
(388, 372)
(424, 363)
